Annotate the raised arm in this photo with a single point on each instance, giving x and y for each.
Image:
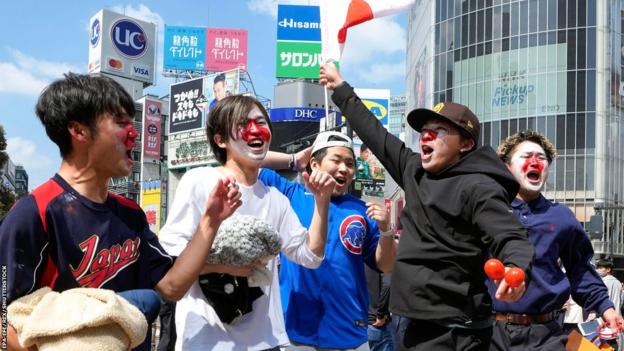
(295, 162)
(222, 202)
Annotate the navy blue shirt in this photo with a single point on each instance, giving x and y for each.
(556, 233)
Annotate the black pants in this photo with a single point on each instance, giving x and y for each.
(422, 335)
(167, 326)
(514, 337)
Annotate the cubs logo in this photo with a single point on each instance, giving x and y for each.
(352, 233)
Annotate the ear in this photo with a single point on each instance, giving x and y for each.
(78, 131)
(219, 141)
(314, 164)
(467, 145)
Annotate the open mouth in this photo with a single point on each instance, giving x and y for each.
(533, 176)
(426, 150)
(256, 143)
(340, 181)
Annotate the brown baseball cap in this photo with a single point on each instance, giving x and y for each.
(457, 114)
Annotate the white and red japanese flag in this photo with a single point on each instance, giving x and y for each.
(338, 15)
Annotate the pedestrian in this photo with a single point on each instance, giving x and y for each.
(531, 323)
(457, 210)
(239, 133)
(326, 308)
(71, 232)
(380, 329)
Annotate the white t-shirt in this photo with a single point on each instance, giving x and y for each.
(197, 325)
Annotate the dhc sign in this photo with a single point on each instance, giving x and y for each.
(129, 38)
(296, 114)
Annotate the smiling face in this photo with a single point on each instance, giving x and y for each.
(252, 139)
(529, 165)
(219, 90)
(441, 145)
(340, 164)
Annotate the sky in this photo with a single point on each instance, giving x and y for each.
(41, 40)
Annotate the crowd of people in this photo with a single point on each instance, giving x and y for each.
(322, 280)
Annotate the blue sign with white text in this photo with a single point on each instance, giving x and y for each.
(298, 23)
(298, 114)
(185, 48)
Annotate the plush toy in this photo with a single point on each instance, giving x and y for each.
(244, 240)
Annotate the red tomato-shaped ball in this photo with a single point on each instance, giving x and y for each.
(494, 269)
(514, 277)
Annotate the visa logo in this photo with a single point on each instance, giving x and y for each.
(141, 71)
(291, 23)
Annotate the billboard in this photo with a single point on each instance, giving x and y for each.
(298, 42)
(377, 101)
(150, 203)
(226, 49)
(183, 110)
(522, 82)
(303, 114)
(151, 128)
(185, 48)
(189, 149)
(122, 46)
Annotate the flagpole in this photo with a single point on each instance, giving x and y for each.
(326, 104)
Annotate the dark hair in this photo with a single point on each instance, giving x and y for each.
(219, 78)
(505, 149)
(229, 112)
(363, 148)
(602, 263)
(79, 98)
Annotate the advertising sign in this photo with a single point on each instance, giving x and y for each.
(298, 42)
(185, 115)
(298, 23)
(150, 203)
(151, 128)
(185, 48)
(122, 46)
(377, 101)
(297, 114)
(521, 82)
(189, 149)
(226, 49)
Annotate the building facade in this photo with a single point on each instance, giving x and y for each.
(550, 65)
(396, 115)
(21, 180)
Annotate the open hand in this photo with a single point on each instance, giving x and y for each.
(223, 200)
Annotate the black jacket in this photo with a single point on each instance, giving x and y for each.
(450, 222)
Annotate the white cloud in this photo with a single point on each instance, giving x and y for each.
(381, 72)
(14, 80)
(370, 41)
(263, 7)
(43, 68)
(24, 152)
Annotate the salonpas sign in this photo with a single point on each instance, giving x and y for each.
(523, 82)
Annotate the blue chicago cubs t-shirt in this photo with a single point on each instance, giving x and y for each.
(328, 307)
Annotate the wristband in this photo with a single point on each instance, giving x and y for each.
(292, 165)
(389, 233)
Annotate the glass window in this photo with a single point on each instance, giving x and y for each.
(590, 122)
(533, 6)
(443, 10)
(580, 91)
(551, 130)
(569, 176)
(541, 124)
(589, 173)
(506, 20)
(480, 26)
(591, 90)
(488, 24)
(438, 11)
(473, 28)
(464, 33)
(496, 22)
(591, 12)
(571, 48)
(513, 126)
(487, 133)
(543, 15)
(531, 123)
(559, 173)
(560, 141)
(580, 173)
(515, 18)
(524, 17)
(504, 133)
(571, 91)
(522, 124)
(572, 13)
(580, 48)
(581, 13)
(552, 14)
(580, 133)
(570, 133)
(561, 14)
(496, 139)
(591, 47)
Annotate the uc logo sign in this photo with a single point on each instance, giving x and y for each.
(94, 35)
(129, 38)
